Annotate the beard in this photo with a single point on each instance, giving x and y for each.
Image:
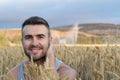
(43, 57)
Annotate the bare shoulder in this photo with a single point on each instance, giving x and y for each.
(12, 74)
(67, 72)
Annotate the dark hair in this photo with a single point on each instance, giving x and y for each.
(35, 20)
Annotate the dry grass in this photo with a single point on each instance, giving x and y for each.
(91, 63)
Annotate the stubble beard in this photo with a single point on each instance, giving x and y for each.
(41, 58)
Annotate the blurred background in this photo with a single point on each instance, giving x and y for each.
(73, 21)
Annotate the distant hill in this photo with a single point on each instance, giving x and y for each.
(98, 29)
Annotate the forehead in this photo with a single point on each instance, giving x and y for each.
(35, 29)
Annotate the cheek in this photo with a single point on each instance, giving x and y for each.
(26, 44)
(44, 41)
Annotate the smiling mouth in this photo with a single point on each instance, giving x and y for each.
(35, 50)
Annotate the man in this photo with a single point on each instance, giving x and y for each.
(37, 43)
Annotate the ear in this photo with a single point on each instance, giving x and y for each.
(50, 39)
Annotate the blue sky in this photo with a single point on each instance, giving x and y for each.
(59, 12)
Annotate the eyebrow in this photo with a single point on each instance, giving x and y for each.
(36, 35)
(41, 35)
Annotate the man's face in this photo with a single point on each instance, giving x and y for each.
(35, 41)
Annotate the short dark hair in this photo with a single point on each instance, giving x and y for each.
(35, 20)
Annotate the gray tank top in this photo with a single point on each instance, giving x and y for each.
(21, 73)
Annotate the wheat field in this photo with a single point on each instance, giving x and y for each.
(91, 63)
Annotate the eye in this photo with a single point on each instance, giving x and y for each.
(28, 37)
(40, 36)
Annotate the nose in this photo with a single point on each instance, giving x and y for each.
(35, 42)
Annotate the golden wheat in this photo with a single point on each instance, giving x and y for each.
(91, 63)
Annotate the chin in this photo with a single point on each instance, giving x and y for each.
(39, 58)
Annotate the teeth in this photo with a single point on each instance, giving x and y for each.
(35, 48)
